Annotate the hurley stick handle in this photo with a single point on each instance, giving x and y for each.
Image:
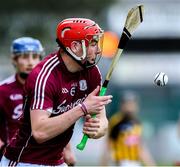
(85, 137)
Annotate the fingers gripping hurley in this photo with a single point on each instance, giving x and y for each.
(133, 19)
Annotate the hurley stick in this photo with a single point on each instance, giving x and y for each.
(133, 19)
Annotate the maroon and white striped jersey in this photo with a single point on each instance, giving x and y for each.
(51, 87)
(11, 101)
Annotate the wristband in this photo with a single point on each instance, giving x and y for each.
(83, 108)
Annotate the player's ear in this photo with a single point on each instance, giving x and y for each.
(75, 46)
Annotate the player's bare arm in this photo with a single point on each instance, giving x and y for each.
(96, 127)
(45, 127)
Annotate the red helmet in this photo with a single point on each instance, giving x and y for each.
(77, 29)
(81, 30)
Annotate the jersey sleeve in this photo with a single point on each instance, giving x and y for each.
(95, 78)
(40, 92)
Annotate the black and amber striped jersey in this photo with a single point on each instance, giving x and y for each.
(125, 135)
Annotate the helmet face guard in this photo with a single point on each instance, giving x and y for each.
(81, 30)
(98, 38)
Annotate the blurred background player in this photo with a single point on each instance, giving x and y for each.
(61, 89)
(124, 141)
(26, 53)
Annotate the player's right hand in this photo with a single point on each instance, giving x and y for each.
(95, 103)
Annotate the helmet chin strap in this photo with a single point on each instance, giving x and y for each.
(84, 52)
(71, 54)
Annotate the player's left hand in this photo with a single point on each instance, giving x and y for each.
(92, 127)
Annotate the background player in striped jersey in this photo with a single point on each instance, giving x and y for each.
(26, 53)
(125, 136)
(61, 89)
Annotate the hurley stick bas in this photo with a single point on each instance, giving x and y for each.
(133, 19)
